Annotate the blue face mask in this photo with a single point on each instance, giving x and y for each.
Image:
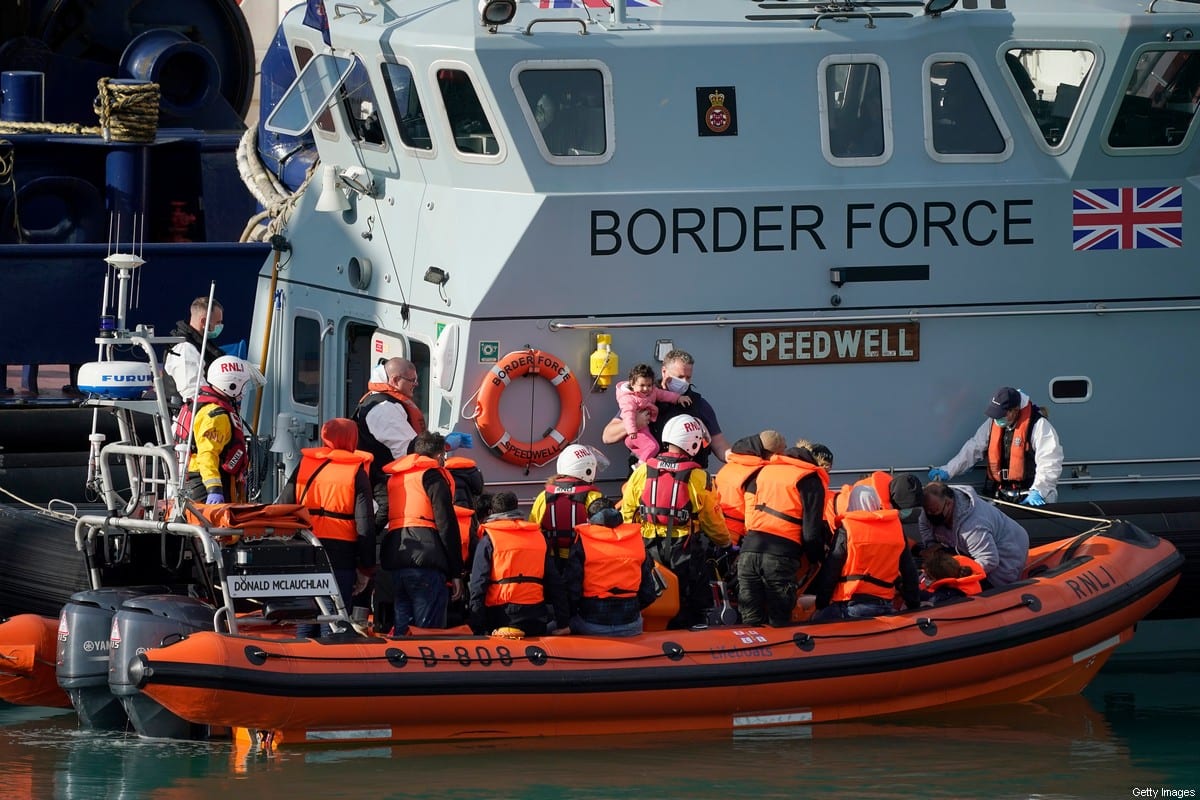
(677, 385)
(1001, 423)
(216, 330)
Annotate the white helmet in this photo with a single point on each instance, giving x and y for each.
(229, 376)
(686, 432)
(578, 461)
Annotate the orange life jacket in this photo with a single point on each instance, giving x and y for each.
(383, 393)
(325, 486)
(466, 521)
(665, 497)
(518, 562)
(774, 507)
(880, 481)
(967, 584)
(459, 468)
(729, 482)
(459, 462)
(613, 560)
(874, 542)
(830, 513)
(1012, 473)
(408, 504)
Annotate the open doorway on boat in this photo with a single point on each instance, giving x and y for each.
(366, 346)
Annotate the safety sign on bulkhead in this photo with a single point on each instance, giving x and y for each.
(489, 352)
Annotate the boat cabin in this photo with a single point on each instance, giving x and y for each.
(858, 218)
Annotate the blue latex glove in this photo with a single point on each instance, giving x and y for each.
(456, 440)
(214, 497)
(1034, 498)
(936, 474)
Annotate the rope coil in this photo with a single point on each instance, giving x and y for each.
(8, 160)
(128, 112)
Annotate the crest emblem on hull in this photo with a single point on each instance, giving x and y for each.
(716, 108)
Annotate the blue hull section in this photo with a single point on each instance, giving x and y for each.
(51, 310)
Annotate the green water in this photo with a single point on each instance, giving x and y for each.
(1128, 733)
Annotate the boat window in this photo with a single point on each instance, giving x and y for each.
(325, 118)
(962, 121)
(854, 108)
(368, 346)
(306, 361)
(1071, 389)
(419, 355)
(568, 109)
(1050, 82)
(406, 105)
(1160, 100)
(358, 99)
(309, 94)
(468, 122)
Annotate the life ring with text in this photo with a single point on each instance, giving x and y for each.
(517, 364)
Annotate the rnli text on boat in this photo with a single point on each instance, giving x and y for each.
(727, 229)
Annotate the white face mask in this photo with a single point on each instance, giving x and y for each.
(677, 385)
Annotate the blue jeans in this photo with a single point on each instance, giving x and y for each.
(422, 598)
(854, 609)
(581, 625)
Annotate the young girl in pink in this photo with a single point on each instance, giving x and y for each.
(640, 393)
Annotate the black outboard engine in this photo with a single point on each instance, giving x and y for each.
(147, 622)
(84, 627)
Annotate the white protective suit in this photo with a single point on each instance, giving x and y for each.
(1047, 454)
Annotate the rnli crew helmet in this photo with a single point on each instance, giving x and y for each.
(578, 461)
(229, 376)
(685, 432)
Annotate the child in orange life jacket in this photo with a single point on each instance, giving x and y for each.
(514, 582)
(945, 576)
(822, 456)
(609, 575)
(640, 393)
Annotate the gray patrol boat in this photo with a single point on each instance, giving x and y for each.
(859, 218)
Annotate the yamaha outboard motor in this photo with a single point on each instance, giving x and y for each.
(84, 627)
(143, 623)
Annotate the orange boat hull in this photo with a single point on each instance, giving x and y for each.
(27, 654)
(1044, 637)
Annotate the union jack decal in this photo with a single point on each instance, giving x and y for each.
(596, 3)
(1127, 218)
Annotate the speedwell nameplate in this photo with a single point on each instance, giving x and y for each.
(826, 344)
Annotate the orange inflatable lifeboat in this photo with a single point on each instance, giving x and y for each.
(1044, 636)
(27, 653)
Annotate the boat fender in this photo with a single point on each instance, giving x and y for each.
(115, 380)
(517, 364)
